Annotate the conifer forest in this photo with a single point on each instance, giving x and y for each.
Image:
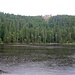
(36, 29)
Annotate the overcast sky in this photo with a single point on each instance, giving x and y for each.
(38, 7)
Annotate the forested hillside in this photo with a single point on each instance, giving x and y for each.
(36, 29)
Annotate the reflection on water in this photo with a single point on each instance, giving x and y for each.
(35, 60)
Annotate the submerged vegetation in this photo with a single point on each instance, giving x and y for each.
(36, 29)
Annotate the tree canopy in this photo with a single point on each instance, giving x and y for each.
(36, 29)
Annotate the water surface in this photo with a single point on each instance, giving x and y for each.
(37, 60)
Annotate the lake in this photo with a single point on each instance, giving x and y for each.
(37, 60)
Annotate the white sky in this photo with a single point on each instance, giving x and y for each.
(38, 7)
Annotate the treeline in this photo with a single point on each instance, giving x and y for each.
(36, 29)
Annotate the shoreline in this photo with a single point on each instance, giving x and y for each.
(41, 44)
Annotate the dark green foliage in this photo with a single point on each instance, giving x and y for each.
(0, 40)
(35, 29)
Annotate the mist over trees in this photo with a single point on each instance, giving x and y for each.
(36, 29)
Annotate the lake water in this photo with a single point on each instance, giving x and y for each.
(37, 60)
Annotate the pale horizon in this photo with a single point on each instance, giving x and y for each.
(38, 7)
